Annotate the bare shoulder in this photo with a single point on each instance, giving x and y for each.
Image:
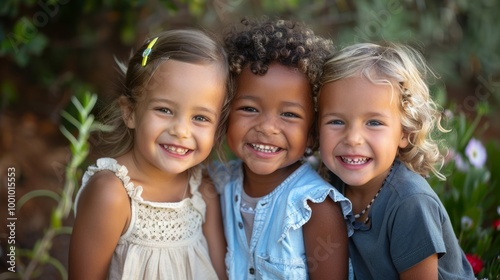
(327, 207)
(102, 216)
(326, 215)
(326, 226)
(103, 190)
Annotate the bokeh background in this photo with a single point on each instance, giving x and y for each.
(54, 50)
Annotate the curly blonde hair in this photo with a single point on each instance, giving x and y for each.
(405, 70)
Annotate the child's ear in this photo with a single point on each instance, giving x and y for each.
(127, 112)
(404, 141)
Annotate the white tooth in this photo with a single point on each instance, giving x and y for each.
(176, 150)
(265, 148)
(355, 160)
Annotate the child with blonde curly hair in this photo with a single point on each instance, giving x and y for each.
(376, 119)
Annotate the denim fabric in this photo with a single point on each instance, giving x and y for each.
(276, 249)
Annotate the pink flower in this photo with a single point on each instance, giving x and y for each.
(460, 163)
(475, 262)
(496, 225)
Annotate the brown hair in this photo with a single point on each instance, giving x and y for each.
(191, 46)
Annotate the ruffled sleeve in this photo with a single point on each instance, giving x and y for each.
(309, 186)
(120, 171)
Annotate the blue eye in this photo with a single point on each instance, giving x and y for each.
(335, 122)
(374, 123)
(201, 119)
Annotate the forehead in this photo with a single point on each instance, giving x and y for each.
(175, 71)
(358, 91)
(182, 82)
(279, 81)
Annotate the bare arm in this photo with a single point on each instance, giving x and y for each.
(102, 215)
(213, 229)
(426, 269)
(326, 242)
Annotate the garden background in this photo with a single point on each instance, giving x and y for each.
(57, 56)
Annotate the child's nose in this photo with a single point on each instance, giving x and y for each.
(180, 128)
(268, 125)
(353, 137)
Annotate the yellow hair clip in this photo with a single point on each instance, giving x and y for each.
(147, 51)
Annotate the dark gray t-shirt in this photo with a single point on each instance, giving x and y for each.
(408, 224)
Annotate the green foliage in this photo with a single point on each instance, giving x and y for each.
(456, 36)
(39, 255)
(471, 194)
(53, 42)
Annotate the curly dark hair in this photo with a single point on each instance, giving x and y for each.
(263, 41)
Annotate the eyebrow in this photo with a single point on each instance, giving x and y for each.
(155, 100)
(197, 108)
(286, 103)
(208, 111)
(371, 114)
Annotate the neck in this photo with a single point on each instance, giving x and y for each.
(360, 196)
(157, 185)
(258, 185)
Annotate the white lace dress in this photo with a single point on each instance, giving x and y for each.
(164, 239)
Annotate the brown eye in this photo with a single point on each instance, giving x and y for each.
(290, 115)
(248, 109)
(164, 110)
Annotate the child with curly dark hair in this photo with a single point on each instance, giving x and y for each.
(282, 220)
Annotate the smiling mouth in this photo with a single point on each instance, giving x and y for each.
(265, 148)
(176, 150)
(355, 161)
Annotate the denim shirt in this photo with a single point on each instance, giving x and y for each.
(276, 249)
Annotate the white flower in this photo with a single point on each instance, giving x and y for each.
(466, 222)
(476, 153)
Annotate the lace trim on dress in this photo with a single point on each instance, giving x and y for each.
(170, 226)
(135, 192)
(120, 172)
(157, 224)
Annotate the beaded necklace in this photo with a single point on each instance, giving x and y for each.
(371, 202)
